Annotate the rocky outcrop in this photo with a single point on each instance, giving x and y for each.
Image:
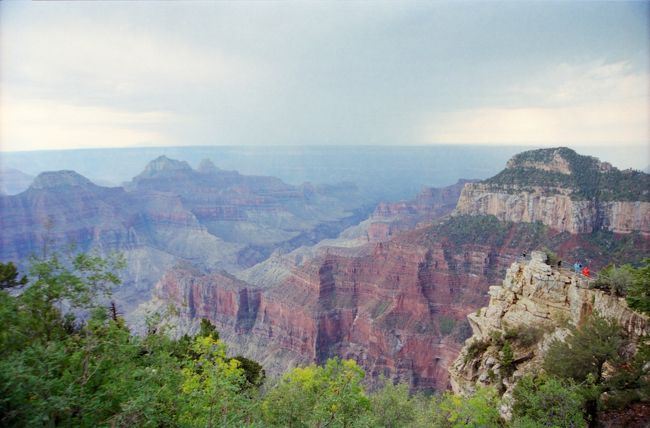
(538, 302)
(565, 191)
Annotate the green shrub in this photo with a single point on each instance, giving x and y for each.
(506, 358)
(475, 411)
(391, 406)
(585, 351)
(546, 401)
(552, 258)
(617, 280)
(317, 396)
(476, 348)
(524, 335)
(638, 296)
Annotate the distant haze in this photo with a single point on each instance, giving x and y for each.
(381, 172)
(150, 74)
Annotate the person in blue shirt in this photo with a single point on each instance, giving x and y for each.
(577, 267)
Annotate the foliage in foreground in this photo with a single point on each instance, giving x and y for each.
(60, 370)
(625, 280)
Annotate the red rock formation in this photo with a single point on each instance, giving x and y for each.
(384, 308)
(396, 307)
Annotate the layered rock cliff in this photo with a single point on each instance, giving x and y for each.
(534, 304)
(384, 310)
(565, 191)
(397, 307)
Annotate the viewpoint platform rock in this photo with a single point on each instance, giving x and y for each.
(533, 297)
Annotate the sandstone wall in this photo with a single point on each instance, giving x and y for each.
(557, 211)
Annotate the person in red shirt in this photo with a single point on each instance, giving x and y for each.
(585, 271)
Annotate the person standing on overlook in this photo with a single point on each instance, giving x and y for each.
(577, 267)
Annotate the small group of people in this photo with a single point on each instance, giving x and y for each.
(578, 268)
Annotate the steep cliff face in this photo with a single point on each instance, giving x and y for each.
(558, 211)
(397, 307)
(539, 301)
(565, 191)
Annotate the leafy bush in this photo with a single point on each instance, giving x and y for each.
(546, 401)
(524, 334)
(506, 358)
(476, 348)
(317, 396)
(9, 276)
(638, 296)
(391, 406)
(616, 280)
(552, 258)
(585, 351)
(477, 410)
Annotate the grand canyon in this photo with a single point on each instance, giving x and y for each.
(292, 275)
(325, 214)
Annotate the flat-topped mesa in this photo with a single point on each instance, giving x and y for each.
(54, 179)
(534, 304)
(565, 191)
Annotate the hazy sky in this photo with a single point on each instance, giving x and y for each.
(113, 74)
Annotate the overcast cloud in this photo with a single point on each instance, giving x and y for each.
(118, 74)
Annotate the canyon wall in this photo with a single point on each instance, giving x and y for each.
(565, 191)
(558, 211)
(396, 307)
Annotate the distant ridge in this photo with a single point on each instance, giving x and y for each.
(207, 166)
(13, 181)
(161, 164)
(54, 179)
